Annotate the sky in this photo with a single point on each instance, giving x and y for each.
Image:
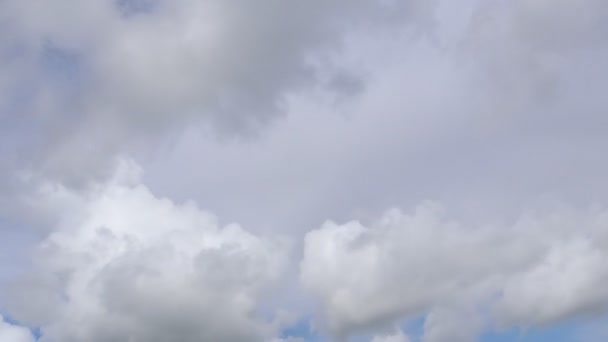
(325, 170)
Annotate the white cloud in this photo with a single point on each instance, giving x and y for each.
(399, 336)
(125, 265)
(543, 268)
(14, 333)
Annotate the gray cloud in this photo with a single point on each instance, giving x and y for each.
(94, 81)
(533, 53)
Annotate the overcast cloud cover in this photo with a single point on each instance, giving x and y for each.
(231, 170)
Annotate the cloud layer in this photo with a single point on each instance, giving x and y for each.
(121, 119)
(95, 78)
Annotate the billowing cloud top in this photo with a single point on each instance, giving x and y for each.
(544, 268)
(148, 268)
(231, 170)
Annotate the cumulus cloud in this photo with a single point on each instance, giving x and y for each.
(125, 265)
(541, 269)
(14, 333)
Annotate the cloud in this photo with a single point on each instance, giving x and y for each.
(546, 267)
(351, 110)
(125, 265)
(529, 52)
(433, 121)
(396, 337)
(289, 339)
(452, 324)
(14, 333)
(104, 77)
